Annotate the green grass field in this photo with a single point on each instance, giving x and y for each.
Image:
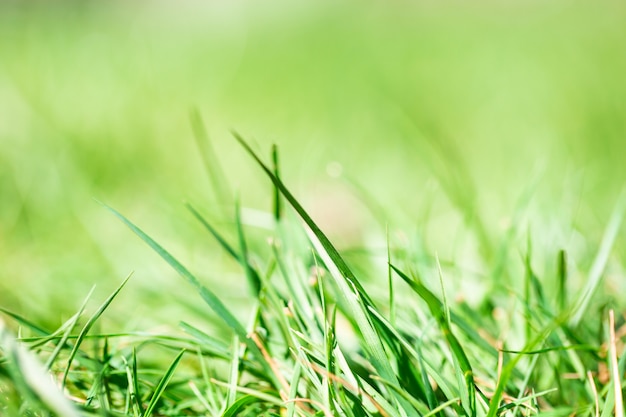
(438, 232)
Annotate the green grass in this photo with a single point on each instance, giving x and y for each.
(317, 342)
(437, 231)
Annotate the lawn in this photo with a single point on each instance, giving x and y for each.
(376, 209)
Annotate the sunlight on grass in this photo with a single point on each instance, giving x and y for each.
(435, 227)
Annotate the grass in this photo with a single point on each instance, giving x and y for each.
(318, 342)
(441, 232)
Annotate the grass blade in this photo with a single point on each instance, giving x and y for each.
(214, 233)
(24, 322)
(87, 327)
(211, 299)
(333, 254)
(277, 201)
(251, 274)
(32, 375)
(351, 290)
(207, 295)
(253, 277)
(160, 388)
(70, 326)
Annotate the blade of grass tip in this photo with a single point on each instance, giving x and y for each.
(24, 322)
(437, 310)
(36, 376)
(615, 373)
(207, 295)
(211, 164)
(87, 327)
(277, 202)
(160, 388)
(71, 324)
(254, 281)
(595, 274)
(325, 242)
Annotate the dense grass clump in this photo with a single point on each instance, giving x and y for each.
(330, 334)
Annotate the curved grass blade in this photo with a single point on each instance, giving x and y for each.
(240, 405)
(160, 388)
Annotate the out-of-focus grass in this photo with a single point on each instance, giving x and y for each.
(487, 113)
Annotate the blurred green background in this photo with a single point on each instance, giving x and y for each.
(461, 122)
